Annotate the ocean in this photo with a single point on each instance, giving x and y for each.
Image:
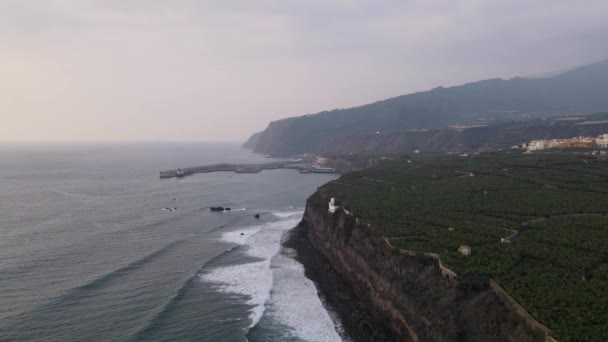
(95, 247)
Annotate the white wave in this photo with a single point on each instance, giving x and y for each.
(295, 303)
(193, 180)
(276, 282)
(286, 214)
(252, 279)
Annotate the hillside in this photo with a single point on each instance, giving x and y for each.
(581, 90)
(536, 224)
(477, 138)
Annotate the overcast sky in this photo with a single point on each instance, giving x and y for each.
(74, 70)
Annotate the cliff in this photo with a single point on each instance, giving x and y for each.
(252, 141)
(581, 90)
(407, 296)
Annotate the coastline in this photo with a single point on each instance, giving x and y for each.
(381, 293)
(339, 297)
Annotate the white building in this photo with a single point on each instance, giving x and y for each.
(536, 145)
(602, 141)
(332, 206)
(320, 160)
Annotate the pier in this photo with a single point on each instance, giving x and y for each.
(246, 168)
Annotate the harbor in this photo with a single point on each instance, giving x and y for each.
(300, 166)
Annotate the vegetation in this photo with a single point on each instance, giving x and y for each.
(551, 208)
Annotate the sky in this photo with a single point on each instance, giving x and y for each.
(219, 70)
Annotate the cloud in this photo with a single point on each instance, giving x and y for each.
(218, 70)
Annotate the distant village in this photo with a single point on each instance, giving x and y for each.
(600, 141)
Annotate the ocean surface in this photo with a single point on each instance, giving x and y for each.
(95, 247)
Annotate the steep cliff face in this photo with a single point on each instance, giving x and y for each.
(410, 292)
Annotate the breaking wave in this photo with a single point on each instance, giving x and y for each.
(273, 281)
(253, 279)
(288, 213)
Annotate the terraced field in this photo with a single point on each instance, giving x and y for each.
(548, 208)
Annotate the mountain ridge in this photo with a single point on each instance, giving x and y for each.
(580, 90)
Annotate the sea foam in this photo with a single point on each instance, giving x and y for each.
(288, 213)
(253, 279)
(276, 281)
(295, 302)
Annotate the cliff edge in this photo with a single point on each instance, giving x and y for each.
(401, 295)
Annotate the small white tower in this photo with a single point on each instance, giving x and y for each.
(332, 205)
(464, 250)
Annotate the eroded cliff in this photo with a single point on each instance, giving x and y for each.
(406, 296)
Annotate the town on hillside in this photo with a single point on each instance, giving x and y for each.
(601, 141)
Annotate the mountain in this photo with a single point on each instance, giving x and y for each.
(252, 141)
(582, 90)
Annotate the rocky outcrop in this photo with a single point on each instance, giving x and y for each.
(408, 293)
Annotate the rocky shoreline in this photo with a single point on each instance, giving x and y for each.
(336, 293)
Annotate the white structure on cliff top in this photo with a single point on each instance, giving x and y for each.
(332, 205)
(464, 250)
(602, 141)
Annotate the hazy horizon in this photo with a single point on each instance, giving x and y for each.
(151, 71)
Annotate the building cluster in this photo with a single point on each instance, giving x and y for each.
(600, 141)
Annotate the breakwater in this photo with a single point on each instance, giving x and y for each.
(246, 168)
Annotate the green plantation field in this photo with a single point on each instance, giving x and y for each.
(549, 209)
